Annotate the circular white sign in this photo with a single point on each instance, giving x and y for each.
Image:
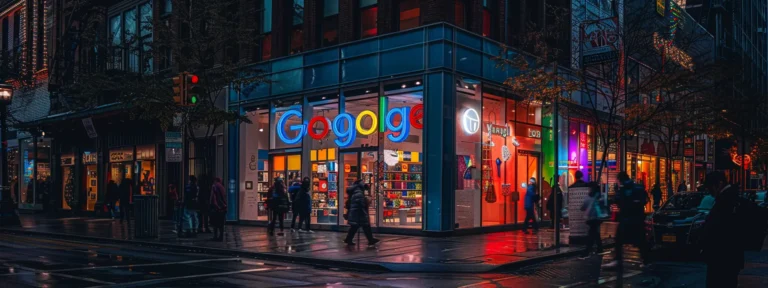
(470, 121)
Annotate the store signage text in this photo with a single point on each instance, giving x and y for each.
(345, 132)
(470, 121)
(90, 158)
(118, 156)
(533, 133)
(503, 131)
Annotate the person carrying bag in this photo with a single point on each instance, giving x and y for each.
(595, 214)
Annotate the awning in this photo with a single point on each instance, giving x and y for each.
(71, 115)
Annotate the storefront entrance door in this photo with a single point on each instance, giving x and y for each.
(527, 168)
(360, 165)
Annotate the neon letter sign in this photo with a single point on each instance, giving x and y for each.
(346, 133)
(300, 127)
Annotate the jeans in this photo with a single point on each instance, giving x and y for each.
(530, 215)
(276, 216)
(593, 237)
(190, 220)
(204, 220)
(125, 211)
(353, 229)
(296, 215)
(303, 218)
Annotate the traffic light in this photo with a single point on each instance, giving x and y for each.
(193, 92)
(178, 89)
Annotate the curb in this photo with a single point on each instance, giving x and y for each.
(319, 262)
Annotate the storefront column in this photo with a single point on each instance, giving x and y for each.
(232, 172)
(440, 149)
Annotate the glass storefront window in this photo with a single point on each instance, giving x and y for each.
(323, 160)
(401, 187)
(468, 153)
(145, 169)
(26, 184)
(12, 171)
(254, 169)
(121, 167)
(90, 161)
(68, 181)
(287, 133)
(495, 180)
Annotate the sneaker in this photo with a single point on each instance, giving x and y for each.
(611, 264)
(349, 243)
(309, 231)
(373, 242)
(294, 230)
(584, 257)
(302, 231)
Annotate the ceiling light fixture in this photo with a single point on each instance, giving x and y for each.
(418, 82)
(403, 86)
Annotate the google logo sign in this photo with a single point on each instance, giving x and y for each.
(345, 132)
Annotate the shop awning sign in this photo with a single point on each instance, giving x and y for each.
(398, 121)
(89, 128)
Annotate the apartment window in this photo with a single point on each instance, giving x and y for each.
(296, 32)
(330, 24)
(461, 13)
(368, 17)
(130, 34)
(167, 7)
(410, 14)
(264, 13)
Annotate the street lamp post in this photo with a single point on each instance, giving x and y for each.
(8, 216)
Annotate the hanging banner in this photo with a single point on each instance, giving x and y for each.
(600, 41)
(89, 128)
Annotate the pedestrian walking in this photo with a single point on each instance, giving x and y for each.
(191, 206)
(721, 246)
(682, 187)
(595, 213)
(579, 182)
(530, 201)
(171, 203)
(303, 205)
(278, 204)
(357, 213)
(204, 199)
(656, 193)
(293, 191)
(555, 196)
(113, 195)
(126, 199)
(631, 199)
(218, 209)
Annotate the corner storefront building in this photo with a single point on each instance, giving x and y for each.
(421, 116)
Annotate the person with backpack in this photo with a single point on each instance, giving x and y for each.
(293, 191)
(531, 198)
(721, 245)
(595, 213)
(191, 204)
(303, 205)
(278, 204)
(357, 214)
(631, 199)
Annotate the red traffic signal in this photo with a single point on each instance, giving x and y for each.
(194, 79)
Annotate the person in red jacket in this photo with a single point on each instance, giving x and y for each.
(218, 209)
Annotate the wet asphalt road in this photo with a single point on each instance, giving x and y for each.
(43, 262)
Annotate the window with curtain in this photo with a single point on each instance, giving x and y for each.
(330, 23)
(297, 44)
(367, 18)
(409, 13)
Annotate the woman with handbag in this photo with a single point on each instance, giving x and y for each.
(595, 213)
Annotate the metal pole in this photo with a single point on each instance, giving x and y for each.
(555, 185)
(8, 216)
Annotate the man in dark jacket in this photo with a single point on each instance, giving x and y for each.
(579, 180)
(555, 196)
(682, 187)
(191, 204)
(218, 202)
(656, 193)
(126, 199)
(293, 192)
(113, 194)
(357, 216)
(722, 251)
(302, 205)
(631, 199)
(529, 204)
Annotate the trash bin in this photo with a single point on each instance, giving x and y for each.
(146, 215)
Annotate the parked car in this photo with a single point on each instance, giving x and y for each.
(679, 221)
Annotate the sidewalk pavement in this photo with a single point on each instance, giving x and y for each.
(396, 253)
